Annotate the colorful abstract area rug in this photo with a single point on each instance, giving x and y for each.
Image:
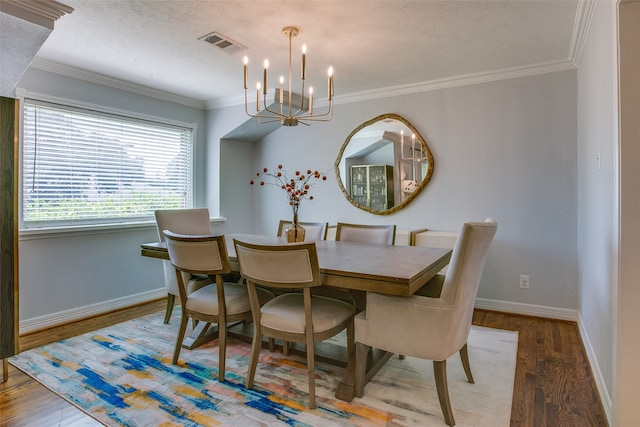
(122, 376)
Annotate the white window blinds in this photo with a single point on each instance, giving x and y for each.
(88, 167)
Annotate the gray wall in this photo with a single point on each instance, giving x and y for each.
(505, 149)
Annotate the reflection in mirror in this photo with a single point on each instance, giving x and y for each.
(383, 164)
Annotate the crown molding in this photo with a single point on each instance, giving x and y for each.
(90, 76)
(581, 25)
(40, 12)
(449, 82)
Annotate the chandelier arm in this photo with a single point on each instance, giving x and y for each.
(266, 119)
(270, 118)
(319, 117)
(246, 104)
(313, 119)
(275, 114)
(301, 100)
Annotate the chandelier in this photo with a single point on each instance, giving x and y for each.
(417, 155)
(286, 112)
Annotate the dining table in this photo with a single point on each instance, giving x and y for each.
(354, 267)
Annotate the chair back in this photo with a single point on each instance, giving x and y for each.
(182, 221)
(312, 230)
(291, 266)
(205, 254)
(461, 283)
(374, 234)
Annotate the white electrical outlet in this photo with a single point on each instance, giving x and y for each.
(524, 281)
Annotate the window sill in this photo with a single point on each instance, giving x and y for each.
(53, 232)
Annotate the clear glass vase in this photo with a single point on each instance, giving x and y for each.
(294, 231)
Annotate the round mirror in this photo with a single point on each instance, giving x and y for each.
(383, 164)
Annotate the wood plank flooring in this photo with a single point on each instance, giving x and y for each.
(554, 385)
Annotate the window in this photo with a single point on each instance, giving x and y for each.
(83, 167)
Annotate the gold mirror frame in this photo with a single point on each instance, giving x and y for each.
(399, 164)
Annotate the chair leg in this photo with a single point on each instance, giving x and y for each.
(222, 348)
(311, 371)
(171, 300)
(464, 356)
(285, 348)
(272, 345)
(5, 370)
(183, 327)
(362, 354)
(440, 374)
(255, 353)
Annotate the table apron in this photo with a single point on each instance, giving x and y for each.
(390, 287)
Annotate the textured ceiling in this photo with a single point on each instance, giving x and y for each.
(371, 44)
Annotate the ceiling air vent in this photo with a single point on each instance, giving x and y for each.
(223, 43)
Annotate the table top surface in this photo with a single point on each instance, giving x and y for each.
(396, 270)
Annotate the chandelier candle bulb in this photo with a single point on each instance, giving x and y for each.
(310, 100)
(246, 72)
(281, 91)
(266, 69)
(258, 96)
(304, 62)
(330, 83)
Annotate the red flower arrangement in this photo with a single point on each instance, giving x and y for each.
(297, 188)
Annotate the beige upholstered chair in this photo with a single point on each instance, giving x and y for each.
(375, 234)
(312, 230)
(182, 221)
(220, 302)
(429, 328)
(291, 317)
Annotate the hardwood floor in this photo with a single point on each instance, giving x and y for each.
(553, 386)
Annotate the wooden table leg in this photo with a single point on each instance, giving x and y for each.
(346, 390)
(5, 370)
(200, 335)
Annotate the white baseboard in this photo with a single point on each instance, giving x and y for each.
(605, 398)
(61, 317)
(527, 309)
